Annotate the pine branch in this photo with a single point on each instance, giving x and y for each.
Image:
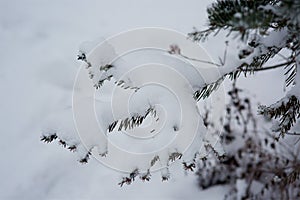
(122, 84)
(189, 167)
(288, 112)
(130, 179)
(291, 177)
(290, 74)
(174, 156)
(49, 138)
(131, 122)
(101, 81)
(206, 91)
(239, 16)
(83, 58)
(86, 158)
(72, 148)
(268, 67)
(106, 67)
(154, 160)
(216, 153)
(62, 143)
(292, 133)
(165, 177)
(146, 176)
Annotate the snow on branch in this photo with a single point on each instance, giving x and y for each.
(287, 109)
(132, 122)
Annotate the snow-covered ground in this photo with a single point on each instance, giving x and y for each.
(39, 42)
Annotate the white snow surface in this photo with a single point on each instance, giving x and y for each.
(39, 43)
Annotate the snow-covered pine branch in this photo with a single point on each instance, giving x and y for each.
(266, 29)
(151, 102)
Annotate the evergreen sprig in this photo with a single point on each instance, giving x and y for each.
(131, 122)
(239, 15)
(206, 90)
(287, 112)
(49, 138)
(53, 136)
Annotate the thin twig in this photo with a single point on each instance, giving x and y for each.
(270, 67)
(198, 60)
(289, 133)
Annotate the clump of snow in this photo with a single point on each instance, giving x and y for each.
(130, 84)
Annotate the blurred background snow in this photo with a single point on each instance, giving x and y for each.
(39, 41)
